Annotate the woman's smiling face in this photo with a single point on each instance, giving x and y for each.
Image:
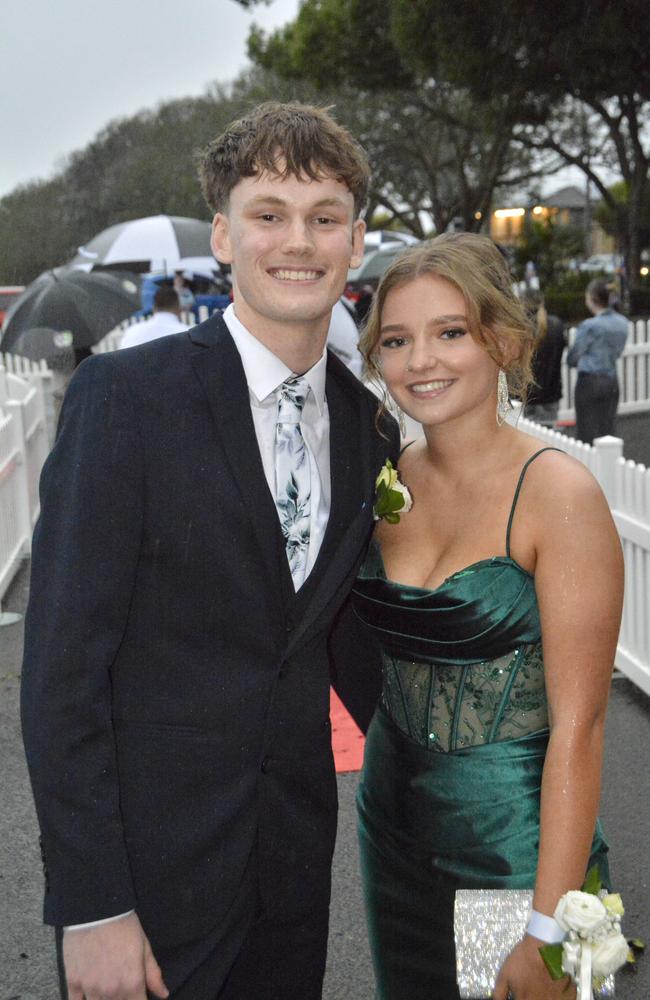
(432, 366)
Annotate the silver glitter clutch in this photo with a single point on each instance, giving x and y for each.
(488, 923)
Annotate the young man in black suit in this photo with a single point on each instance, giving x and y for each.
(204, 513)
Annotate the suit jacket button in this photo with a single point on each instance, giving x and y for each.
(264, 766)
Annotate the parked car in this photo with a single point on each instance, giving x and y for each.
(380, 239)
(601, 263)
(8, 295)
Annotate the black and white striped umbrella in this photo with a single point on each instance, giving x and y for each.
(159, 243)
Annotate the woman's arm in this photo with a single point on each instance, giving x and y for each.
(579, 584)
(582, 343)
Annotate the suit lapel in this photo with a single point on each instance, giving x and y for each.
(219, 369)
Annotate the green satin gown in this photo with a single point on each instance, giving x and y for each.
(450, 791)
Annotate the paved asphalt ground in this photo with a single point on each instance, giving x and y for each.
(27, 969)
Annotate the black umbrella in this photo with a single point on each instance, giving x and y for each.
(87, 305)
(43, 344)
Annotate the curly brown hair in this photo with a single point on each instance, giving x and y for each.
(496, 320)
(306, 139)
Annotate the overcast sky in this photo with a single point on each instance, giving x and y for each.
(67, 67)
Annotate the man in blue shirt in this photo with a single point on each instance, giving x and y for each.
(599, 343)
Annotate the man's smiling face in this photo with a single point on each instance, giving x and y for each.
(290, 242)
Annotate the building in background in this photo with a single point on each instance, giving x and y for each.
(567, 206)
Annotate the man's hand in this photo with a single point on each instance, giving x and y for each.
(111, 962)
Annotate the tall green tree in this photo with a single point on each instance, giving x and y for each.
(137, 166)
(145, 165)
(452, 153)
(552, 63)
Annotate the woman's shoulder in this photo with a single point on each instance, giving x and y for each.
(556, 479)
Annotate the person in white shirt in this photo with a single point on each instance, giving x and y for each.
(166, 319)
(204, 514)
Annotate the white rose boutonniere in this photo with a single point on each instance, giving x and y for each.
(392, 497)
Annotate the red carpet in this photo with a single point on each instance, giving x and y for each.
(347, 738)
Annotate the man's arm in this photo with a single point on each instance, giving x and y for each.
(355, 666)
(355, 658)
(84, 558)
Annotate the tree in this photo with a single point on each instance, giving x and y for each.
(137, 166)
(551, 63)
(549, 246)
(429, 145)
(611, 220)
(36, 232)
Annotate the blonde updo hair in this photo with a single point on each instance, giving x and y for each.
(496, 320)
(533, 302)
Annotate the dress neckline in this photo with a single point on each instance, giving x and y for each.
(491, 560)
(480, 563)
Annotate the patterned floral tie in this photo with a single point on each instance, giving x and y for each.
(292, 476)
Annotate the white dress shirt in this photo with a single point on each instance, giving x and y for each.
(265, 373)
(161, 324)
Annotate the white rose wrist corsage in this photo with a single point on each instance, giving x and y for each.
(594, 946)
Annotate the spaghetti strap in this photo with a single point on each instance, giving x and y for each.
(407, 445)
(517, 491)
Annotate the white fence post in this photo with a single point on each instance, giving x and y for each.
(23, 450)
(15, 410)
(608, 452)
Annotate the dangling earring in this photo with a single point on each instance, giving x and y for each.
(503, 397)
(398, 413)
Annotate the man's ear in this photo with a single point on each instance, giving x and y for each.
(358, 233)
(220, 239)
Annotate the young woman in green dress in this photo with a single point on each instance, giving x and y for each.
(496, 602)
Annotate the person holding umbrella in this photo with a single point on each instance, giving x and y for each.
(84, 306)
(204, 513)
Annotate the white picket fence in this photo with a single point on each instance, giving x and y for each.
(24, 443)
(627, 488)
(633, 366)
(38, 374)
(24, 446)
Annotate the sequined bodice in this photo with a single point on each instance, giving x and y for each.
(462, 663)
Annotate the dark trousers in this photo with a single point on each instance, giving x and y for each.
(596, 400)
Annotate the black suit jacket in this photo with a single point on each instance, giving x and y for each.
(175, 689)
